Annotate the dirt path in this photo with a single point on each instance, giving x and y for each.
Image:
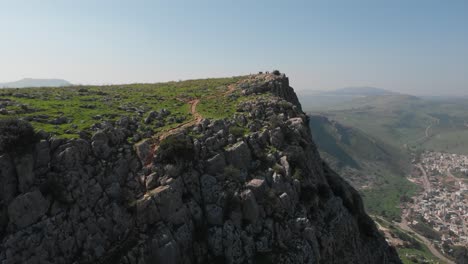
(196, 120)
(427, 133)
(193, 111)
(426, 182)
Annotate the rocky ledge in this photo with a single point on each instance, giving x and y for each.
(248, 189)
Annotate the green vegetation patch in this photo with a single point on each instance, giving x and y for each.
(385, 198)
(66, 111)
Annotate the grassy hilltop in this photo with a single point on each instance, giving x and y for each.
(66, 111)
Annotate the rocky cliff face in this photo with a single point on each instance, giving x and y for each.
(249, 189)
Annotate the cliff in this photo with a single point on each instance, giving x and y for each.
(247, 189)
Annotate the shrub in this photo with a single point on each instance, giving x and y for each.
(276, 72)
(278, 169)
(237, 131)
(15, 135)
(298, 174)
(275, 122)
(427, 231)
(176, 147)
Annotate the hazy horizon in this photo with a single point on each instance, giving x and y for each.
(417, 47)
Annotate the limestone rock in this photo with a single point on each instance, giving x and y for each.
(27, 208)
(111, 202)
(143, 150)
(216, 164)
(239, 155)
(25, 172)
(8, 180)
(249, 206)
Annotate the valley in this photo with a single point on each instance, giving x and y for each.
(419, 186)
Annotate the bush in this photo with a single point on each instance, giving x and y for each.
(237, 131)
(278, 169)
(298, 174)
(176, 147)
(427, 231)
(276, 72)
(15, 135)
(407, 238)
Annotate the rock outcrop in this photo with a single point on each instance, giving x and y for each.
(208, 197)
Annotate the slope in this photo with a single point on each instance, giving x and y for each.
(408, 122)
(377, 169)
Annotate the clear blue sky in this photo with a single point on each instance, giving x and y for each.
(408, 46)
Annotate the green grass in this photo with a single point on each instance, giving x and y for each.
(453, 141)
(416, 247)
(402, 120)
(384, 199)
(84, 106)
(419, 254)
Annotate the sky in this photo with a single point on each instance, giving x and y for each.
(411, 46)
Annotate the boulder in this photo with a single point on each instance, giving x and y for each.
(216, 164)
(42, 154)
(152, 181)
(59, 121)
(168, 199)
(209, 189)
(151, 116)
(285, 164)
(101, 149)
(8, 180)
(26, 209)
(143, 150)
(277, 137)
(258, 187)
(214, 214)
(249, 206)
(239, 155)
(25, 172)
(168, 253)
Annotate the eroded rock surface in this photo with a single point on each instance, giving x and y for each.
(265, 197)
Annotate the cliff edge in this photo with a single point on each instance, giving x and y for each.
(251, 188)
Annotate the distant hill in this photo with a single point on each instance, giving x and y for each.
(381, 102)
(359, 91)
(314, 100)
(406, 121)
(30, 82)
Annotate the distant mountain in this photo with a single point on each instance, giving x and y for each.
(318, 100)
(359, 91)
(381, 102)
(30, 82)
(406, 121)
